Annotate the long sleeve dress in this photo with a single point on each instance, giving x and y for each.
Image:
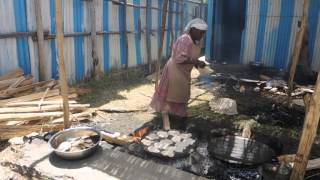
(173, 92)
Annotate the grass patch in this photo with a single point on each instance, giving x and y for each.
(107, 87)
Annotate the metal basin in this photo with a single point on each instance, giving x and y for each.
(62, 136)
(239, 150)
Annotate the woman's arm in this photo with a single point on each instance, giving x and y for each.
(195, 62)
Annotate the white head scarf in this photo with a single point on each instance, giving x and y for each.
(196, 23)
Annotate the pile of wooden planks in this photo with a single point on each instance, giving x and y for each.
(27, 106)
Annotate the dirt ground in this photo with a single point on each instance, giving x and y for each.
(123, 100)
(133, 92)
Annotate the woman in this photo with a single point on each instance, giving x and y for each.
(173, 92)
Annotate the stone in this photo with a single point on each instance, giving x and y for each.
(32, 134)
(256, 89)
(242, 89)
(180, 149)
(18, 140)
(152, 137)
(224, 106)
(162, 134)
(185, 135)
(168, 153)
(176, 139)
(173, 132)
(153, 149)
(189, 141)
(273, 90)
(281, 93)
(146, 142)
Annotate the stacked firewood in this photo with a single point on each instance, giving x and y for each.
(27, 106)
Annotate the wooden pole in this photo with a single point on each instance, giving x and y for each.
(40, 36)
(171, 25)
(96, 63)
(163, 26)
(182, 17)
(309, 132)
(297, 48)
(126, 33)
(148, 34)
(61, 66)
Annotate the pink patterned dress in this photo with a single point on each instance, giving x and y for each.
(173, 92)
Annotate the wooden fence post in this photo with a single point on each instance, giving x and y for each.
(126, 33)
(40, 37)
(309, 132)
(148, 33)
(163, 26)
(182, 16)
(61, 66)
(96, 63)
(297, 48)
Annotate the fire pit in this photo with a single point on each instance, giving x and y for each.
(169, 144)
(202, 157)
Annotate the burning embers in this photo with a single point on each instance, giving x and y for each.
(76, 144)
(170, 143)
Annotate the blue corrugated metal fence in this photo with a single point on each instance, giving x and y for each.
(269, 32)
(22, 51)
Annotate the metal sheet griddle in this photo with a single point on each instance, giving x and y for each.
(239, 150)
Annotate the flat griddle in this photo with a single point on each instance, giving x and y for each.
(239, 150)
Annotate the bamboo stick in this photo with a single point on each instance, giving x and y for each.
(43, 97)
(25, 88)
(47, 108)
(75, 116)
(163, 25)
(116, 138)
(40, 36)
(30, 97)
(36, 103)
(12, 74)
(61, 66)
(297, 48)
(7, 83)
(308, 134)
(8, 132)
(29, 116)
(56, 98)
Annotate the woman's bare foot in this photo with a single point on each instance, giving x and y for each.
(165, 119)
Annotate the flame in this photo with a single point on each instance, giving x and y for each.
(138, 134)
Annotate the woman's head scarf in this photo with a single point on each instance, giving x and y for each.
(196, 23)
